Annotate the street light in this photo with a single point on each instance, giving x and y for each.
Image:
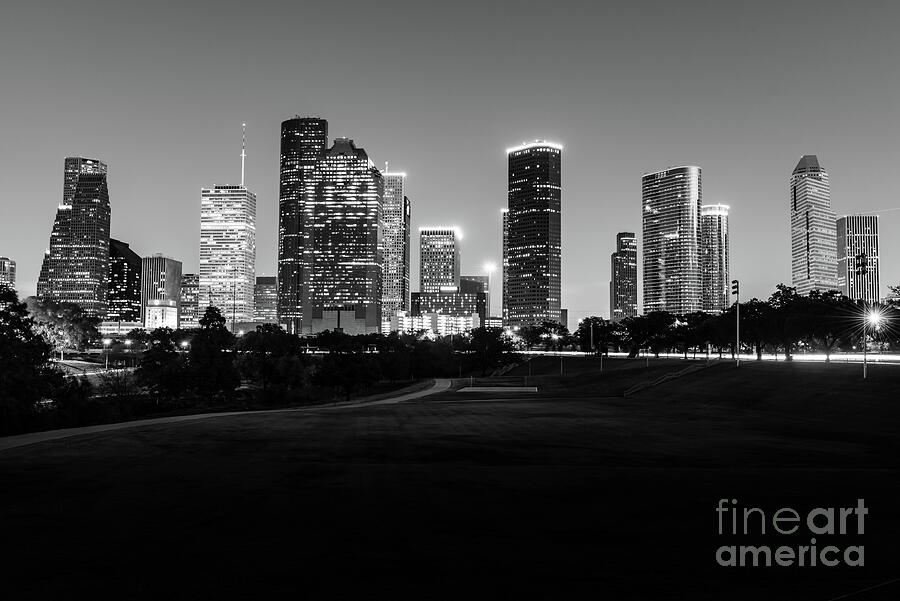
(106, 343)
(872, 318)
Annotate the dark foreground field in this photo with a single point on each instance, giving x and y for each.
(559, 495)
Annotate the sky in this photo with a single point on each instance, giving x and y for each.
(158, 90)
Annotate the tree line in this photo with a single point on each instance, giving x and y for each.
(207, 367)
(786, 323)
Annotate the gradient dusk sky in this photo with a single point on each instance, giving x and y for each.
(159, 90)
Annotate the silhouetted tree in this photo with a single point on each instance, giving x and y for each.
(64, 325)
(211, 360)
(490, 347)
(162, 369)
(269, 355)
(26, 373)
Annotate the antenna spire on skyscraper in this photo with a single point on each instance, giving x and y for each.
(243, 149)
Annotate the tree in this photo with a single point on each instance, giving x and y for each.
(755, 315)
(782, 325)
(63, 325)
(162, 369)
(601, 332)
(27, 375)
(264, 355)
(490, 347)
(211, 362)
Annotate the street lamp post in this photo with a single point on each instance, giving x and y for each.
(736, 291)
(106, 343)
(873, 318)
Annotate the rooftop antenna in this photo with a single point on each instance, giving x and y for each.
(243, 150)
(387, 167)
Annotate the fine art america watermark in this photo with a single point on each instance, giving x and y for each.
(831, 522)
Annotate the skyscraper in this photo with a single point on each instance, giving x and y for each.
(342, 275)
(124, 298)
(76, 268)
(160, 291)
(303, 141)
(813, 235)
(623, 301)
(859, 261)
(533, 247)
(395, 254)
(671, 238)
(715, 287)
(7, 272)
(504, 292)
(228, 248)
(189, 315)
(438, 258)
(265, 299)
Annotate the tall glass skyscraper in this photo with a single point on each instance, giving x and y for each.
(228, 251)
(533, 247)
(859, 260)
(714, 258)
(76, 267)
(504, 292)
(303, 141)
(623, 296)
(395, 254)
(124, 298)
(813, 234)
(342, 280)
(438, 259)
(671, 238)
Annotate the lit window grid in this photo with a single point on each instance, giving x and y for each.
(228, 251)
(671, 202)
(859, 258)
(533, 258)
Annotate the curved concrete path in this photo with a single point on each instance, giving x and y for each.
(21, 440)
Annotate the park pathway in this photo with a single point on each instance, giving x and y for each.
(21, 440)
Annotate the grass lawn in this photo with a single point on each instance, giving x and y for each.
(567, 494)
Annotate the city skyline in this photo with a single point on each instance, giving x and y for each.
(769, 124)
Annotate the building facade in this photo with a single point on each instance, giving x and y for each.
(395, 252)
(623, 282)
(438, 258)
(450, 302)
(533, 275)
(160, 291)
(189, 316)
(124, 297)
(76, 267)
(265, 299)
(342, 217)
(671, 202)
(7, 272)
(504, 301)
(813, 234)
(228, 250)
(715, 285)
(304, 140)
(859, 259)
